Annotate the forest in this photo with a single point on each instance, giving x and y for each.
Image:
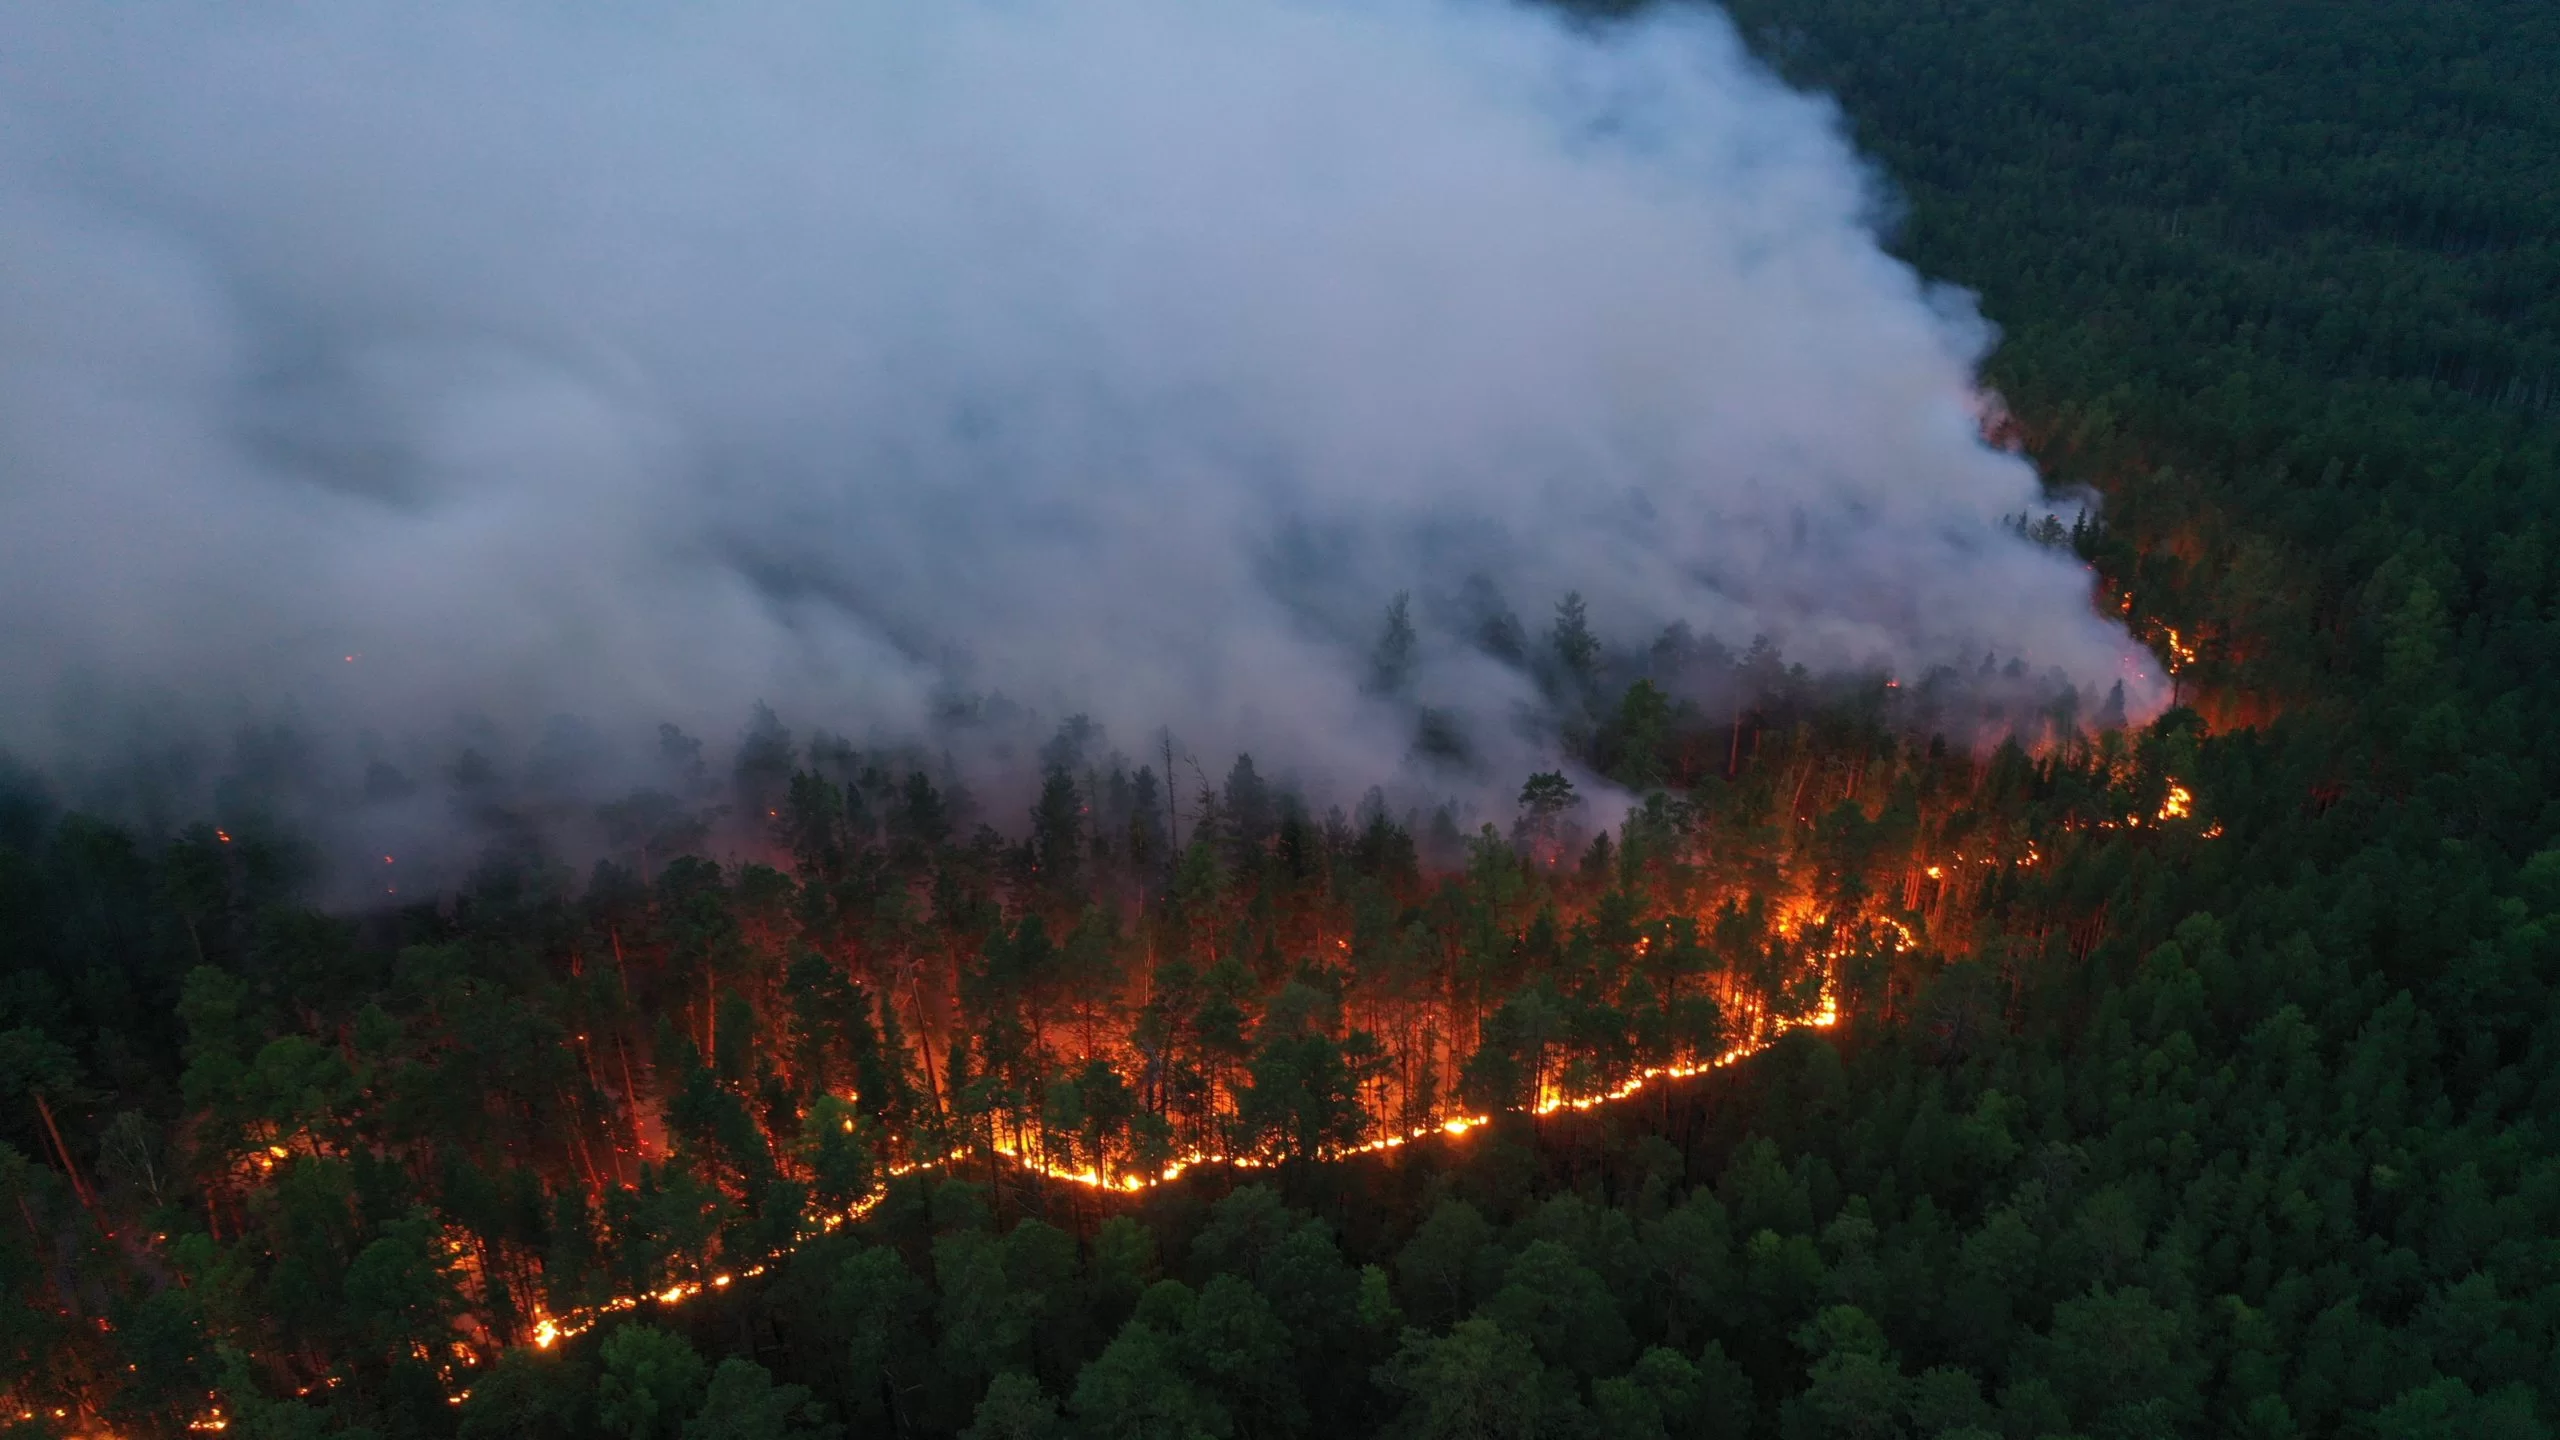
(2190, 1079)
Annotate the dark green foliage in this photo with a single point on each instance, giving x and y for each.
(530, 1394)
(743, 1403)
(652, 1381)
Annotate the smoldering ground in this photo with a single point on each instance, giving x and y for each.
(395, 370)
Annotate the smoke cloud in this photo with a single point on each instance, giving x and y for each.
(376, 365)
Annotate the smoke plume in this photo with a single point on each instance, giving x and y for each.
(394, 368)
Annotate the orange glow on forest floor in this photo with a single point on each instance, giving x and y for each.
(1793, 919)
(550, 1330)
(1797, 918)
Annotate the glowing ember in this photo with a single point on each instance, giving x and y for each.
(2181, 654)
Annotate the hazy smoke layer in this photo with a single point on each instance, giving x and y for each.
(1124, 356)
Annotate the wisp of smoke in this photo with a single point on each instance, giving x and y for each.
(376, 364)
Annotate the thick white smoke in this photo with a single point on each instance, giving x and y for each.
(1120, 356)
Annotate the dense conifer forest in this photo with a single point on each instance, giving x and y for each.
(2194, 1079)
